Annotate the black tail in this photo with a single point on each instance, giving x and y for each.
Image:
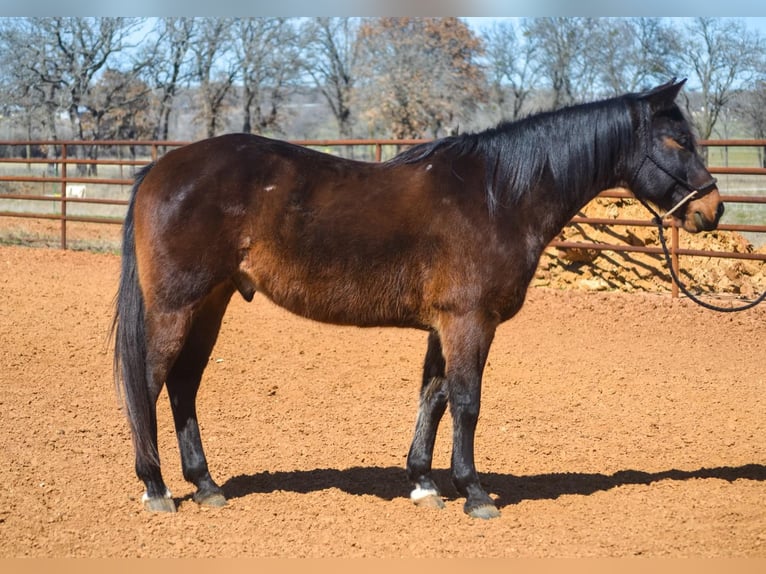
(128, 329)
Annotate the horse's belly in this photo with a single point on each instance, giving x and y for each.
(342, 304)
(340, 295)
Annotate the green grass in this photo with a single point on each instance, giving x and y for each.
(735, 156)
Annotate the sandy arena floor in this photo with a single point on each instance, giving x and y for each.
(612, 425)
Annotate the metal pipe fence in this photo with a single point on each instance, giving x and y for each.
(71, 173)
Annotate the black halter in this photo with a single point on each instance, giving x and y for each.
(649, 155)
(701, 189)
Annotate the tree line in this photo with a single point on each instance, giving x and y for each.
(128, 78)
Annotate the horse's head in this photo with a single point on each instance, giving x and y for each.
(668, 168)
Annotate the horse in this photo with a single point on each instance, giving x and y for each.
(445, 238)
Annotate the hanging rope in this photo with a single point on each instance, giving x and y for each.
(657, 220)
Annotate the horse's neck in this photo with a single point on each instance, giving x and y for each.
(574, 172)
(550, 209)
(528, 227)
(578, 169)
(571, 177)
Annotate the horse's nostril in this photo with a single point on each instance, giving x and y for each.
(719, 211)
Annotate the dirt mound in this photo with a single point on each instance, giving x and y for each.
(591, 269)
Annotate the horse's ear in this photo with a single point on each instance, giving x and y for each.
(663, 96)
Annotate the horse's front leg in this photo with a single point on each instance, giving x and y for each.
(466, 342)
(433, 404)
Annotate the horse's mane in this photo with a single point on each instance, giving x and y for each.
(577, 147)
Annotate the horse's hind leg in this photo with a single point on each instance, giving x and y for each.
(433, 403)
(183, 382)
(167, 331)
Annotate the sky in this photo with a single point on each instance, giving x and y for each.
(474, 8)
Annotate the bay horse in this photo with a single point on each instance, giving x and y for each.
(445, 237)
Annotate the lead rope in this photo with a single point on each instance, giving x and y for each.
(657, 220)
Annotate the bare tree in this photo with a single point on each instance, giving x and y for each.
(214, 69)
(512, 65)
(721, 56)
(562, 45)
(58, 58)
(634, 54)
(117, 107)
(73, 51)
(408, 76)
(24, 98)
(420, 75)
(267, 53)
(331, 58)
(169, 65)
(752, 107)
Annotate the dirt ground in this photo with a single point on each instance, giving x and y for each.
(612, 424)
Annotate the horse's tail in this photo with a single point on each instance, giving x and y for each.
(129, 332)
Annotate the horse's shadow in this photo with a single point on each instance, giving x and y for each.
(389, 483)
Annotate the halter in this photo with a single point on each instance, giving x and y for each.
(649, 155)
(657, 220)
(701, 190)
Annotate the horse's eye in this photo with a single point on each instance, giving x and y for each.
(681, 142)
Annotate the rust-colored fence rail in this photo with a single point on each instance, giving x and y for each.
(101, 173)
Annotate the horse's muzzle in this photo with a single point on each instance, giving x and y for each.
(703, 214)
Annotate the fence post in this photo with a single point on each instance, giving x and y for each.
(378, 152)
(674, 258)
(63, 195)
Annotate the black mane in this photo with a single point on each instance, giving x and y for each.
(577, 147)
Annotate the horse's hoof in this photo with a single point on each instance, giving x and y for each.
(426, 498)
(159, 504)
(212, 499)
(484, 511)
(430, 501)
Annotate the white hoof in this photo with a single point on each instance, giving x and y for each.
(420, 493)
(426, 498)
(145, 497)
